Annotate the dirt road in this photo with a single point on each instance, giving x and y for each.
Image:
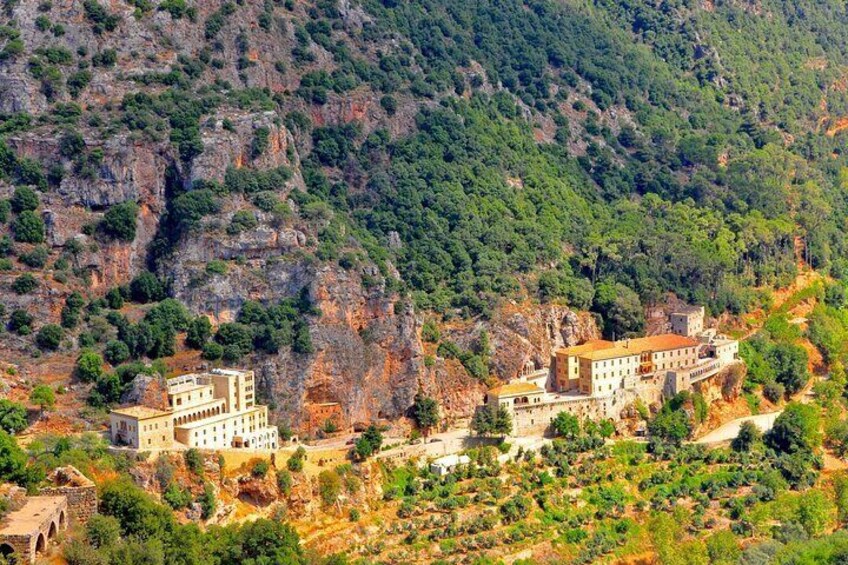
(729, 430)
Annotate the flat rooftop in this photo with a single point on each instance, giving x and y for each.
(140, 412)
(228, 372)
(511, 389)
(686, 310)
(187, 386)
(32, 516)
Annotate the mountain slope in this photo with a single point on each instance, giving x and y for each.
(321, 178)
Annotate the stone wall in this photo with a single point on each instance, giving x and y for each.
(80, 492)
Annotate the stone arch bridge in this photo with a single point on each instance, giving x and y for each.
(29, 529)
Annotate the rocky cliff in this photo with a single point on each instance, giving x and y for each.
(120, 103)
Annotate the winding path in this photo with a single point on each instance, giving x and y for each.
(729, 430)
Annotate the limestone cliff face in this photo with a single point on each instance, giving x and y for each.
(368, 355)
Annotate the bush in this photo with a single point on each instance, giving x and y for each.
(199, 332)
(260, 469)
(237, 337)
(36, 258)
(774, 391)
(329, 486)
(369, 442)
(119, 222)
(29, 227)
(748, 436)
(169, 313)
(194, 461)
(430, 332)
(24, 284)
(102, 531)
(89, 366)
(146, 288)
(49, 337)
(176, 497)
(20, 322)
(114, 299)
(260, 142)
(242, 221)
(13, 416)
(116, 352)
(216, 267)
(212, 351)
(24, 199)
(284, 481)
(295, 462)
(43, 396)
(207, 501)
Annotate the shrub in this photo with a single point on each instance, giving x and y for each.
(774, 391)
(207, 502)
(284, 481)
(389, 104)
(169, 313)
(216, 267)
(24, 284)
(176, 497)
(102, 531)
(43, 397)
(101, 19)
(430, 331)
(260, 141)
(28, 227)
(748, 436)
(119, 222)
(260, 469)
(13, 416)
(242, 221)
(20, 322)
(329, 486)
(146, 288)
(212, 351)
(237, 336)
(369, 442)
(199, 332)
(116, 352)
(194, 461)
(89, 366)
(49, 337)
(24, 199)
(114, 299)
(36, 258)
(295, 462)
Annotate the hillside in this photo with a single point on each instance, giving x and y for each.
(324, 180)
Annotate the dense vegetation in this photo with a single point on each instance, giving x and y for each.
(661, 143)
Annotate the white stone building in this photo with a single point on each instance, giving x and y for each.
(213, 410)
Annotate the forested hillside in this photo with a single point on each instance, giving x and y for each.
(299, 185)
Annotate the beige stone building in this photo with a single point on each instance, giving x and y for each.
(688, 321)
(599, 367)
(515, 394)
(213, 410)
(600, 378)
(568, 363)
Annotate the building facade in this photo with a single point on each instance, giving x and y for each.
(600, 378)
(688, 321)
(214, 410)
